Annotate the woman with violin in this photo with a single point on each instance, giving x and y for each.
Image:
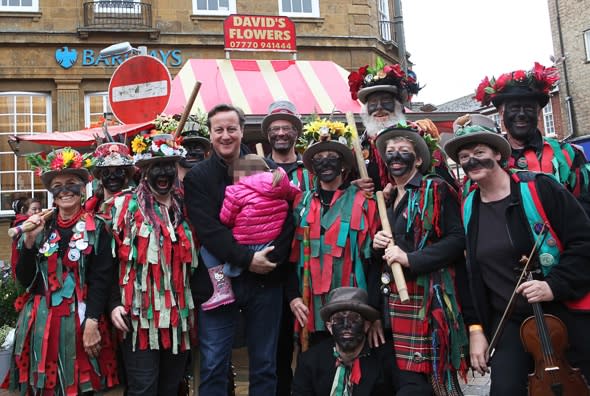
(512, 219)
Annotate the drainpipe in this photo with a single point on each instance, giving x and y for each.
(568, 99)
(398, 24)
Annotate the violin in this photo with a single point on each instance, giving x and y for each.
(544, 336)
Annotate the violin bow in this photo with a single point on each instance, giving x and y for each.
(508, 311)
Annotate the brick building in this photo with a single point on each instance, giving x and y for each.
(54, 79)
(570, 27)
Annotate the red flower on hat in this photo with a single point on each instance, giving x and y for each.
(396, 70)
(539, 78)
(355, 81)
(500, 82)
(480, 92)
(519, 76)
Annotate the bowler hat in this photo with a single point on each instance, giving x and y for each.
(349, 299)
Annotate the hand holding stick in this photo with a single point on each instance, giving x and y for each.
(396, 268)
(28, 226)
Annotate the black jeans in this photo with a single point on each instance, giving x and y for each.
(153, 372)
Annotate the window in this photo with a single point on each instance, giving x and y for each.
(385, 24)
(19, 5)
(496, 118)
(95, 105)
(587, 44)
(548, 120)
(21, 113)
(300, 8)
(118, 6)
(214, 7)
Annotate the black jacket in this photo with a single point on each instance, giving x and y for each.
(570, 279)
(316, 369)
(441, 253)
(204, 191)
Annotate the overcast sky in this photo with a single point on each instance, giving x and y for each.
(454, 44)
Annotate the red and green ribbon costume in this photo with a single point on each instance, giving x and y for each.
(49, 356)
(154, 272)
(428, 331)
(337, 254)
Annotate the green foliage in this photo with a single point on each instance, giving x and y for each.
(9, 291)
(4, 330)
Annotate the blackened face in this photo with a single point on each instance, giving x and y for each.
(114, 178)
(348, 328)
(400, 157)
(520, 118)
(478, 161)
(161, 177)
(380, 104)
(282, 136)
(195, 153)
(327, 165)
(67, 191)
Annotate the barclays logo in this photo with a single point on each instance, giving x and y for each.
(66, 57)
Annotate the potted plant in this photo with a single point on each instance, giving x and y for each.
(9, 291)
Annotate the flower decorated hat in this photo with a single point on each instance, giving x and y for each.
(474, 129)
(196, 130)
(282, 110)
(322, 134)
(536, 83)
(156, 147)
(58, 162)
(382, 77)
(112, 154)
(424, 145)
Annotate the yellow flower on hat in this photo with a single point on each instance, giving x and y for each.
(68, 157)
(138, 145)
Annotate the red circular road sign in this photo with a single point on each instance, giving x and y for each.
(139, 89)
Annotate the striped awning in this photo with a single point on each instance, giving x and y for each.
(81, 140)
(313, 86)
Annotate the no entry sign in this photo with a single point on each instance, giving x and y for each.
(139, 89)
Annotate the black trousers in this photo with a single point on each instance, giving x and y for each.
(414, 384)
(153, 372)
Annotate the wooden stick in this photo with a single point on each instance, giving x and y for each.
(187, 109)
(27, 225)
(396, 268)
(356, 145)
(259, 150)
(306, 292)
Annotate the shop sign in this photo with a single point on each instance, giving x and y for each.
(67, 57)
(259, 33)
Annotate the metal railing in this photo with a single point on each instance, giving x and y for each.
(387, 31)
(117, 14)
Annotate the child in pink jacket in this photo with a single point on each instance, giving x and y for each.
(255, 208)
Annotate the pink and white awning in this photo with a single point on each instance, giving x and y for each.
(313, 86)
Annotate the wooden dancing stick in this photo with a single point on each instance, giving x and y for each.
(27, 225)
(187, 109)
(356, 145)
(259, 150)
(396, 268)
(306, 292)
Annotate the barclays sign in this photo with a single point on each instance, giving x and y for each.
(67, 57)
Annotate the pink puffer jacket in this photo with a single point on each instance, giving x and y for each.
(255, 210)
